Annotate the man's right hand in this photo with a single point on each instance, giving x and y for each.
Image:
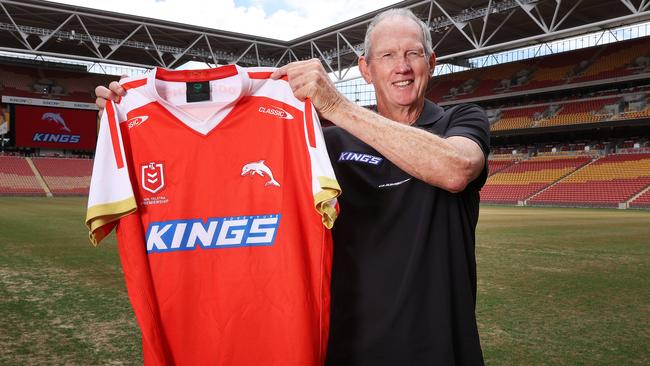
(113, 92)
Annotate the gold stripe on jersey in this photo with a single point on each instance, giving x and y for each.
(331, 190)
(101, 219)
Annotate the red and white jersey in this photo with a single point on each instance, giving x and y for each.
(223, 208)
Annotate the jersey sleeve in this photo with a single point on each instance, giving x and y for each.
(111, 195)
(325, 187)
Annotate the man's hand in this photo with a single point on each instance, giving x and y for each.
(113, 92)
(308, 79)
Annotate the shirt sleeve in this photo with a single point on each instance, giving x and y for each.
(111, 195)
(325, 187)
(470, 120)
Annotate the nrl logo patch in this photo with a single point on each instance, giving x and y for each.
(153, 177)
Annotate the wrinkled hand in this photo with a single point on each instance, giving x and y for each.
(308, 79)
(113, 92)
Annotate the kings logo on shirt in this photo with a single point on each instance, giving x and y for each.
(153, 177)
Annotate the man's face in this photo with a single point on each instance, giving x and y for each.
(397, 68)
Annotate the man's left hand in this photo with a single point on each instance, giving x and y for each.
(308, 79)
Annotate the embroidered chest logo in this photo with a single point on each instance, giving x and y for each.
(153, 177)
(260, 169)
(360, 158)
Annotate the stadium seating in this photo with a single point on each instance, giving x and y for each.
(643, 201)
(581, 111)
(65, 176)
(497, 164)
(607, 182)
(22, 81)
(517, 118)
(17, 178)
(589, 64)
(569, 112)
(523, 179)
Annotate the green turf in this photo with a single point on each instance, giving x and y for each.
(556, 287)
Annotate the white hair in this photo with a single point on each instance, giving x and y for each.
(399, 12)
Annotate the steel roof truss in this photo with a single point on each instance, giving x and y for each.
(117, 46)
(630, 6)
(160, 59)
(498, 28)
(557, 9)
(286, 51)
(294, 55)
(644, 5)
(347, 69)
(92, 41)
(23, 36)
(46, 38)
(456, 24)
(350, 45)
(554, 28)
(442, 38)
(527, 8)
(178, 56)
(338, 55)
(214, 59)
(485, 22)
(541, 18)
(322, 57)
(244, 53)
(471, 28)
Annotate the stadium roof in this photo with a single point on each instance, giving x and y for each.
(460, 30)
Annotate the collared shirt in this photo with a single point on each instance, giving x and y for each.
(404, 273)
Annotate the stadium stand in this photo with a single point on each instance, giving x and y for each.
(523, 179)
(65, 176)
(573, 111)
(39, 82)
(606, 182)
(599, 63)
(17, 178)
(642, 201)
(499, 162)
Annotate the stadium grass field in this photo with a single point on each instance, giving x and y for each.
(556, 287)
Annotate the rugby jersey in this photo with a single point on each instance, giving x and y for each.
(220, 187)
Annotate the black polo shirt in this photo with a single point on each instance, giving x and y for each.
(404, 273)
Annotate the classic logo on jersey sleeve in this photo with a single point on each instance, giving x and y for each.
(153, 177)
(216, 232)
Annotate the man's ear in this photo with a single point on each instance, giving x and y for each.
(364, 68)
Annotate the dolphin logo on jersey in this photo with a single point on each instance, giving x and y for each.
(260, 169)
(56, 118)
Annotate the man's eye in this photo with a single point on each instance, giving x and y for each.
(387, 56)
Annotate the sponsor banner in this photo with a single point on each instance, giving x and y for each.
(48, 103)
(55, 128)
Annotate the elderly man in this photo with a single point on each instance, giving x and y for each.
(404, 270)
